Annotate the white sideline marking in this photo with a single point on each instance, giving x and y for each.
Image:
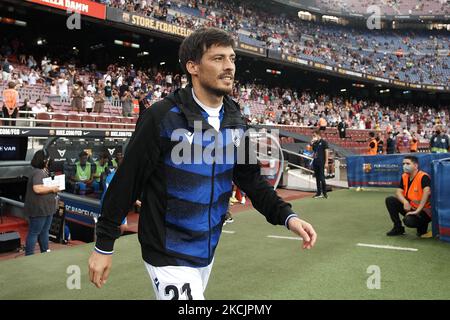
(385, 247)
(289, 238)
(227, 231)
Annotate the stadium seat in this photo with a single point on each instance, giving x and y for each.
(74, 117)
(127, 121)
(59, 117)
(117, 123)
(89, 118)
(103, 122)
(43, 116)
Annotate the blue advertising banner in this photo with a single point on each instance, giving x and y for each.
(80, 210)
(384, 170)
(440, 184)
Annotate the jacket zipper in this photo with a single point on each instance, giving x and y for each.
(209, 211)
(212, 192)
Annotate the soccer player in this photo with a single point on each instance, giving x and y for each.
(184, 204)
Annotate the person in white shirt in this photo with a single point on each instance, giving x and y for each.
(107, 77)
(89, 102)
(38, 107)
(169, 79)
(63, 86)
(53, 89)
(24, 76)
(361, 124)
(91, 87)
(157, 92)
(32, 78)
(119, 81)
(44, 62)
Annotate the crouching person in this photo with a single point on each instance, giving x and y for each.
(412, 200)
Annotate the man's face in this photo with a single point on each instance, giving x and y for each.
(216, 69)
(83, 159)
(409, 166)
(119, 157)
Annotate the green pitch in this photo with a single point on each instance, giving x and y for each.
(251, 265)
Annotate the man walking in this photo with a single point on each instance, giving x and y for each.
(184, 204)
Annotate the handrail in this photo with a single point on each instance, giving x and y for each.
(67, 121)
(14, 163)
(300, 167)
(301, 156)
(297, 154)
(12, 202)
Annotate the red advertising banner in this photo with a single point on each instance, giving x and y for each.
(83, 7)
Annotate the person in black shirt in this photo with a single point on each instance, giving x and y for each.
(123, 88)
(25, 107)
(380, 148)
(342, 126)
(391, 144)
(320, 156)
(108, 91)
(143, 103)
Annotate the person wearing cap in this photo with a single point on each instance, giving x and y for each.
(439, 142)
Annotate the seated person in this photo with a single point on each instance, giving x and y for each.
(118, 160)
(82, 178)
(411, 200)
(100, 168)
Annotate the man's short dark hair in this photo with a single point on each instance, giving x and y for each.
(372, 134)
(413, 159)
(39, 160)
(104, 155)
(82, 154)
(196, 44)
(11, 85)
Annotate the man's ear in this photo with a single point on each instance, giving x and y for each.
(192, 68)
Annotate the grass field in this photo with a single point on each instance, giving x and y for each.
(251, 265)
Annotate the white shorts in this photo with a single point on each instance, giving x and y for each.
(179, 283)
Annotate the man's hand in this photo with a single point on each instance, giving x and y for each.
(304, 230)
(407, 206)
(99, 268)
(412, 213)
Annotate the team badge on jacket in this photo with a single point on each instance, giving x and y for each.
(236, 137)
